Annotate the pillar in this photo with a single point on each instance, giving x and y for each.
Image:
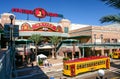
(79, 54)
(65, 54)
(83, 52)
(102, 52)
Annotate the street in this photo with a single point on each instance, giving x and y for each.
(112, 73)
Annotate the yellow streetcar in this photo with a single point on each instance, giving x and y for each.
(81, 65)
(116, 54)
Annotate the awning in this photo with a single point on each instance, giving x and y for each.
(41, 56)
(70, 41)
(22, 41)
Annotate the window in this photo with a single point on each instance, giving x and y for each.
(107, 40)
(66, 67)
(65, 29)
(114, 40)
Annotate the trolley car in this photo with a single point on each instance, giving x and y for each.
(81, 65)
(116, 54)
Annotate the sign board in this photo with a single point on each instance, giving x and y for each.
(37, 12)
(7, 31)
(16, 31)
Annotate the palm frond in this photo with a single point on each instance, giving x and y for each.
(36, 38)
(110, 18)
(112, 3)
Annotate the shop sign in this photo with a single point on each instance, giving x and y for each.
(38, 12)
(46, 25)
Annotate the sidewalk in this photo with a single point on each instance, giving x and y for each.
(56, 65)
(30, 73)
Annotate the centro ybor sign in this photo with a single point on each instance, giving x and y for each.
(38, 12)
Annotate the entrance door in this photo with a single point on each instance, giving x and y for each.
(72, 67)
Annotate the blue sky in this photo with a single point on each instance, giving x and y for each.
(77, 11)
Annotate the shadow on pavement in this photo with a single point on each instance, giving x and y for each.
(113, 64)
(32, 72)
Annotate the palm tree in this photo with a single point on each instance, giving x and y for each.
(112, 3)
(36, 38)
(55, 40)
(111, 18)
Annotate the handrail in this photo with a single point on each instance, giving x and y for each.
(5, 65)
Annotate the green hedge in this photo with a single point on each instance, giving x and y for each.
(64, 59)
(40, 62)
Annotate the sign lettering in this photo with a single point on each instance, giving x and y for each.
(47, 25)
(38, 12)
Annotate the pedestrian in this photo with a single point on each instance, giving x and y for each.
(32, 55)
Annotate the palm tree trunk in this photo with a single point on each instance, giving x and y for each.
(36, 53)
(73, 52)
(55, 55)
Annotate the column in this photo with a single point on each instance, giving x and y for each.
(83, 52)
(65, 54)
(79, 53)
(102, 51)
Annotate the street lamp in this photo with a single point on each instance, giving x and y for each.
(11, 29)
(11, 44)
(101, 73)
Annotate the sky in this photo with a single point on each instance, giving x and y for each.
(86, 12)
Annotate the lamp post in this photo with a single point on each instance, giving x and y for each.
(11, 30)
(11, 44)
(101, 73)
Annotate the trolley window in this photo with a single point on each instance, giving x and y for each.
(66, 67)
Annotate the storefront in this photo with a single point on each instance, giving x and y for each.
(66, 30)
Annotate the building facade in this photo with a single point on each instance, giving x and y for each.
(65, 29)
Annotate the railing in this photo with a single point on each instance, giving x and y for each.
(6, 65)
(100, 45)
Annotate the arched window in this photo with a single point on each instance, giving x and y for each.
(25, 26)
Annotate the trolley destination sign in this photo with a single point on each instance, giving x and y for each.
(37, 12)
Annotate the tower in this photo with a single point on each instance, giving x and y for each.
(6, 19)
(65, 25)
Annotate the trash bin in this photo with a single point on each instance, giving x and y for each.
(51, 77)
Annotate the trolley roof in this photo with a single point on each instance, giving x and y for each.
(85, 59)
